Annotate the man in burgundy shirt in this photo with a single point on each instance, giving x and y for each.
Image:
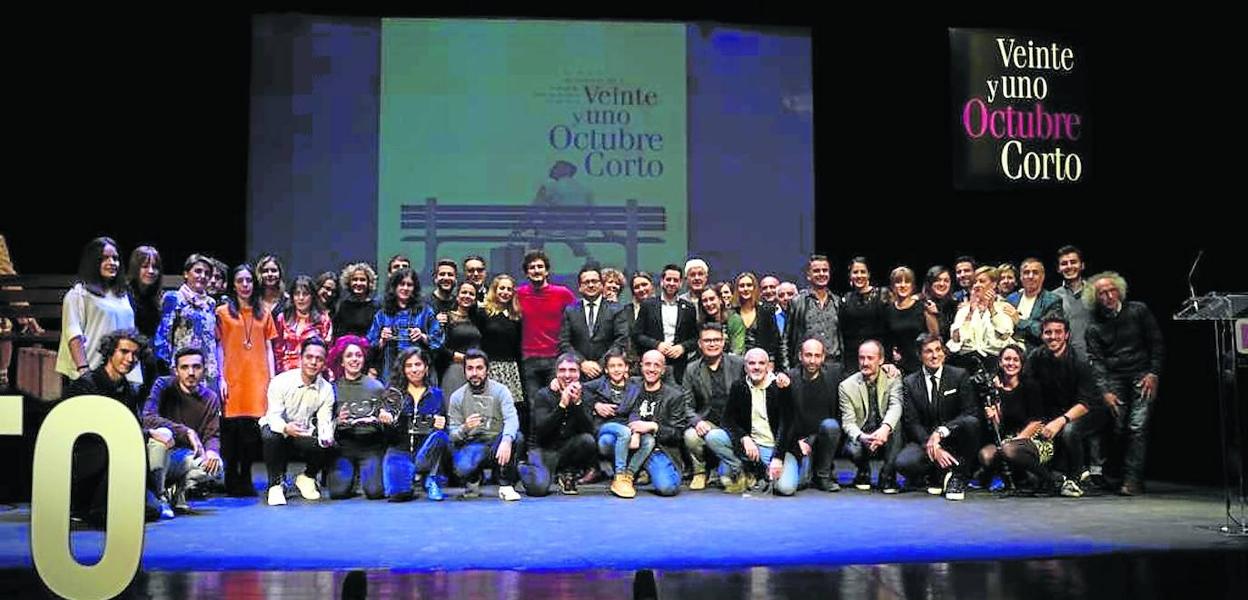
(183, 417)
(541, 307)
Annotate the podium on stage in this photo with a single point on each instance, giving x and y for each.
(1229, 315)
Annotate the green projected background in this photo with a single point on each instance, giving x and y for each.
(493, 120)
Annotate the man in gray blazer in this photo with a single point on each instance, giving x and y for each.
(870, 413)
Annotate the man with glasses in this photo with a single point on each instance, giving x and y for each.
(707, 381)
(474, 273)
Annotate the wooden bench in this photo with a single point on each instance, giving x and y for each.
(40, 296)
(532, 226)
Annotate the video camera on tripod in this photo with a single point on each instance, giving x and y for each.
(991, 394)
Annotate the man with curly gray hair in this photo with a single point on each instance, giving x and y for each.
(1126, 352)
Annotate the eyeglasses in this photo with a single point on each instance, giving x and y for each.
(712, 340)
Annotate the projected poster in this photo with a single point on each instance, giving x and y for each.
(1022, 112)
(499, 136)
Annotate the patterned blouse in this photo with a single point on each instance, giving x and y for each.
(291, 334)
(188, 319)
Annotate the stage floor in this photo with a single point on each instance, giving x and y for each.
(695, 530)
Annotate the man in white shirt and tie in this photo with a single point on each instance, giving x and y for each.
(592, 326)
(939, 409)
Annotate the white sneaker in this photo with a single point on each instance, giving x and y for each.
(179, 499)
(508, 493)
(277, 496)
(307, 487)
(1070, 489)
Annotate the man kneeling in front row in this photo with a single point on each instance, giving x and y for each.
(183, 417)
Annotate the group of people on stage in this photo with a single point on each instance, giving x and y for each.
(748, 384)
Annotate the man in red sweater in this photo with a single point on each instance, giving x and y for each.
(541, 310)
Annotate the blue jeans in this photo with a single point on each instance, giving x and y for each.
(469, 458)
(792, 475)
(613, 442)
(401, 467)
(720, 444)
(663, 474)
(176, 465)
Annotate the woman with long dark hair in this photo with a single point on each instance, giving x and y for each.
(327, 293)
(272, 288)
(862, 312)
(145, 270)
(461, 333)
(97, 304)
(403, 322)
(244, 352)
(419, 440)
(302, 319)
(938, 297)
(1019, 417)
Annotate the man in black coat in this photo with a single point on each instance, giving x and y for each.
(668, 324)
(939, 409)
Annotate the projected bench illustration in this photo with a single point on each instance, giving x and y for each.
(532, 226)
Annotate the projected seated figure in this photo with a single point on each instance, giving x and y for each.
(563, 439)
(939, 415)
(484, 429)
(561, 189)
(183, 418)
(298, 423)
(759, 419)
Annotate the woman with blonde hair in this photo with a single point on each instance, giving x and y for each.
(983, 326)
(499, 323)
(759, 320)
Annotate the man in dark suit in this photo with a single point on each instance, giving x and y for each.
(939, 418)
(668, 324)
(593, 325)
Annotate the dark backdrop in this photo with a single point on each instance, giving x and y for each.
(135, 125)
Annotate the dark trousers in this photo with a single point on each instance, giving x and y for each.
(962, 443)
(357, 456)
(861, 456)
(1070, 459)
(537, 373)
(240, 447)
(471, 457)
(826, 442)
(88, 492)
(279, 449)
(578, 451)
